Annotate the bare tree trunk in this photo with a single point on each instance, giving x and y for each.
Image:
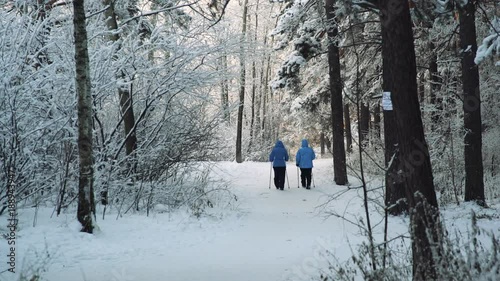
(239, 132)
(86, 205)
(265, 98)
(394, 183)
(347, 122)
(376, 121)
(394, 187)
(474, 183)
(254, 107)
(266, 95)
(322, 143)
(124, 92)
(339, 157)
(225, 90)
(416, 171)
(364, 123)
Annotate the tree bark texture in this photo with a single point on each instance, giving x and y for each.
(86, 205)
(474, 183)
(338, 149)
(394, 187)
(395, 190)
(415, 168)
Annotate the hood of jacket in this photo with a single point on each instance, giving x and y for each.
(305, 143)
(279, 144)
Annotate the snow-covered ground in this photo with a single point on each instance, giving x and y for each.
(269, 235)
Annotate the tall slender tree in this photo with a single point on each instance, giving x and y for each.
(254, 96)
(86, 205)
(239, 129)
(124, 92)
(347, 122)
(224, 89)
(338, 149)
(266, 93)
(474, 182)
(364, 122)
(376, 121)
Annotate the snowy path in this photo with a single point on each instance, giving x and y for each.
(273, 235)
(270, 235)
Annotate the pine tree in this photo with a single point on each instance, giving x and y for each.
(474, 183)
(399, 49)
(339, 157)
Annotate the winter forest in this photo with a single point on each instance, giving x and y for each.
(125, 111)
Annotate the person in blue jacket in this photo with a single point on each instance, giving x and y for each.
(279, 156)
(304, 160)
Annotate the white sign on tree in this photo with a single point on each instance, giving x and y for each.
(386, 101)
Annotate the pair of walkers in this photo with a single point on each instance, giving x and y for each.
(303, 159)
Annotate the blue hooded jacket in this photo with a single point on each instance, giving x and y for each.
(305, 156)
(278, 155)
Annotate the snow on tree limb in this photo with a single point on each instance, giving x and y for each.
(490, 45)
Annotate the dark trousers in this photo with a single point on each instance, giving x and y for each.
(279, 177)
(305, 177)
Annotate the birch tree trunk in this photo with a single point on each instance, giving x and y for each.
(86, 205)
